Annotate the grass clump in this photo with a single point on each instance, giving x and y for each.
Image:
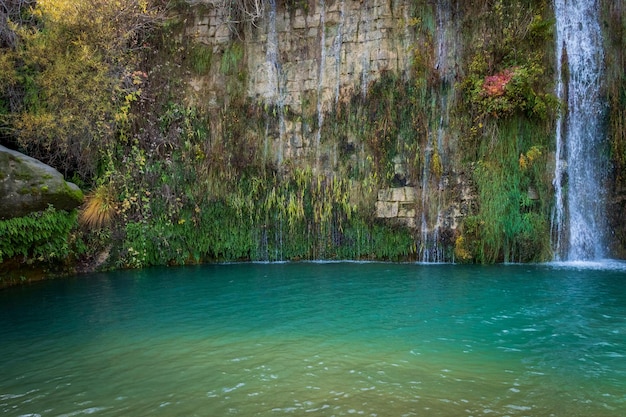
(99, 208)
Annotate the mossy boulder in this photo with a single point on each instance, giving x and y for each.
(28, 185)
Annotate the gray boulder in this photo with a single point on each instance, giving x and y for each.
(28, 185)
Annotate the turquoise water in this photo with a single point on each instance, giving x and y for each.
(325, 339)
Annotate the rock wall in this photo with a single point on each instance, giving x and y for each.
(398, 203)
(306, 61)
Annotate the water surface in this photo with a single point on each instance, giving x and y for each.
(327, 339)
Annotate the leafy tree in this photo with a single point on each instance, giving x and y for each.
(76, 73)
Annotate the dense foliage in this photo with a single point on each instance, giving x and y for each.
(38, 237)
(93, 89)
(508, 95)
(68, 76)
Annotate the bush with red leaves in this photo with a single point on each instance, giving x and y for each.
(494, 85)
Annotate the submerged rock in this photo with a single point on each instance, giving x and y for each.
(28, 185)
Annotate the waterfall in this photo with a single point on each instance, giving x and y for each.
(579, 219)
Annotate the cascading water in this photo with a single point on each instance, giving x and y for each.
(579, 220)
(335, 53)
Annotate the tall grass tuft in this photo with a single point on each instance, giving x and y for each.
(99, 208)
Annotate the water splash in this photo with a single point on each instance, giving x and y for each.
(579, 220)
(595, 265)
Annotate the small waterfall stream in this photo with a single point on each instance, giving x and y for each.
(278, 79)
(320, 82)
(276, 75)
(579, 219)
(337, 43)
(332, 52)
(433, 183)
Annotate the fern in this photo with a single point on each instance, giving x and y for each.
(42, 236)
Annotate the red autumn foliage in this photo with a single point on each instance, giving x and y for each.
(494, 85)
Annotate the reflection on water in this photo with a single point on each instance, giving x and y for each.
(320, 339)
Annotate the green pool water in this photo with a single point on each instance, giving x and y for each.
(319, 339)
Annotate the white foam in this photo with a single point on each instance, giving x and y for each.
(239, 385)
(597, 265)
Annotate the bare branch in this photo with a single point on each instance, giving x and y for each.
(237, 11)
(11, 14)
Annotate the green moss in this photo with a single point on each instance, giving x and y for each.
(75, 193)
(232, 57)
(23, 174)
(201, 57)
(255, 215)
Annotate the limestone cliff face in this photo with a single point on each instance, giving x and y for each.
(306, 61)
(322, 69)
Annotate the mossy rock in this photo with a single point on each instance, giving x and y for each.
(28, 185)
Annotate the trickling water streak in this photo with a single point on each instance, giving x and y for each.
(364, 30)
(443, 16)
(278, 94)
(337, 49)
(278, 239)
(276, 74)
(365, 76)
(262, 246)
(426, 245)
(320, 80)
(432, 250)
(408, 39)
(579, 219)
